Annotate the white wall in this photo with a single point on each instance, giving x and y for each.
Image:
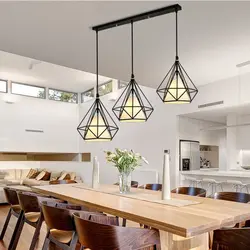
(149, 138)
(58, 121)
(238, 140)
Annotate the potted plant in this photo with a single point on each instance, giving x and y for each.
(126, 161)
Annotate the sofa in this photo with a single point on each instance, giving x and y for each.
(11, 177)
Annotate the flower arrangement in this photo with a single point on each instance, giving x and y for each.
(125, 160)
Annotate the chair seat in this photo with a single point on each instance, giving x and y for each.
(32, 216)
(16, 208)
(62, 236)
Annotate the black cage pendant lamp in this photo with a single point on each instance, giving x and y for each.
(97, 124)
(177, 87)
(132, 105)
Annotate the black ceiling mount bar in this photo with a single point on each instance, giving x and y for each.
(138, 17)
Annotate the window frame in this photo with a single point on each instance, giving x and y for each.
(86, 92)
(65, 91)
(30, 85)
(105, 83)
(119, 84)
(7, 87)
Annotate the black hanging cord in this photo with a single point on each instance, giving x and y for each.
(97, 66)
(132, 49)
(176, 34)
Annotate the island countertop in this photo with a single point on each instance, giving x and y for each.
(219, 173)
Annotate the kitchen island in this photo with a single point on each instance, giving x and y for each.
(218, 175)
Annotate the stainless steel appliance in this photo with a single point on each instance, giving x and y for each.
(189, 155)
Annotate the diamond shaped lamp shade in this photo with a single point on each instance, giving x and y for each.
(100, 126)
(132, 105)
(177, 87)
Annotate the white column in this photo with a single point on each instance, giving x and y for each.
(233, 153)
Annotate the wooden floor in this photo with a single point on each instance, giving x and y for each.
(26, 236)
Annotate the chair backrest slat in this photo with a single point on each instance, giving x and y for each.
(11, 196)
(28, 202)
(155, 187)
(232, 196)
(104, 236)
(192, 191)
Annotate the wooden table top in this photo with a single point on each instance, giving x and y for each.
(185, 221)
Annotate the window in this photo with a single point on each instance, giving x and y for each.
(28, 90)
(122, 84)
(88, 95)
(106, 88)
(63, 96)
(3, 86)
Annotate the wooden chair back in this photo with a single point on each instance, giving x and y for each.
(62, 182)
(155, 187)
(11, 196)
(28, 202)
(59, 215)
(103, 235)
(134, 184)
(59, 218)
(192, 191)
(231, 239)
(232, 196)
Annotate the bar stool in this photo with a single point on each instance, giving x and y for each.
(61, 228)
(238, 185)
(112, 237)
(213, 184)
(193, 182)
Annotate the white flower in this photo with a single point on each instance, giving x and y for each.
(112, 155)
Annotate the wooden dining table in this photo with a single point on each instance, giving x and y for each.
(183, 222)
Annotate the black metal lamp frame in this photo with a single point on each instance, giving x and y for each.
(178, 73)
(140, 108)
(97, 109)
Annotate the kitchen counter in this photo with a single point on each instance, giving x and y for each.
(218, 173)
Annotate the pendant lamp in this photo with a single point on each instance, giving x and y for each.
(177, 87)
(97, 124)
(132, 105)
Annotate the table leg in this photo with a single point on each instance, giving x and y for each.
(171, 241)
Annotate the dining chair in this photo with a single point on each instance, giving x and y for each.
(55, 182)
(192, 191)
(155, 187)
(102, 233)
(31, 214)
(61, 227)
(231, 239)
(232, 196)
(15, 210)
(134, 184)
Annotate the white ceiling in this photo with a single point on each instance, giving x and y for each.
(25, 70)
(214, 37)
(220, 114)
